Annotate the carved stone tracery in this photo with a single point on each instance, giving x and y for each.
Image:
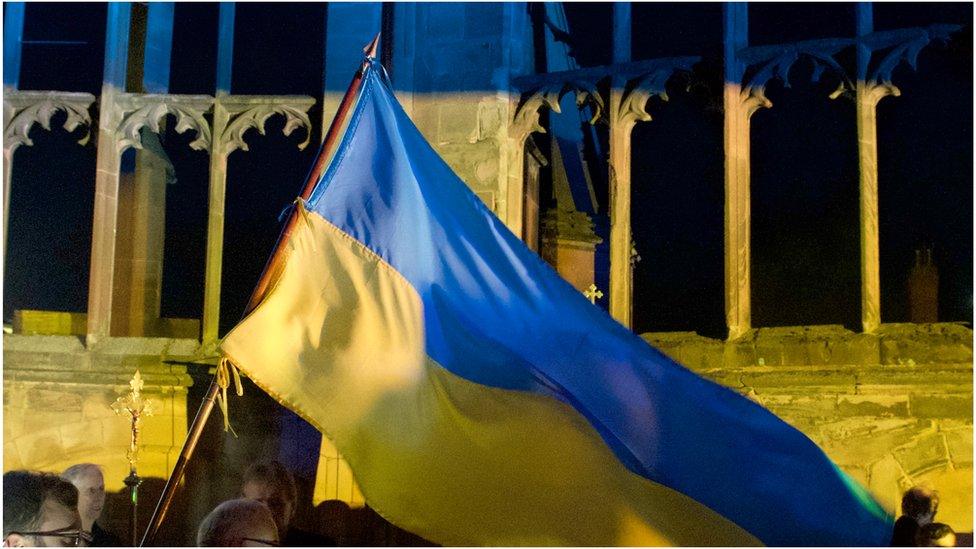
(550, 94)
(137, 111)
(902, 45)
(252, 112)
(639, 81)
(768, 62)
(765, 63)
(23, 109)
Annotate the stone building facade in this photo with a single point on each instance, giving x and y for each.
(892, 405)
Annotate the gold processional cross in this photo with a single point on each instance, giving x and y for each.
(136, 407)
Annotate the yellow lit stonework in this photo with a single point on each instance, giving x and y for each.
(893, 409)
(57, 399)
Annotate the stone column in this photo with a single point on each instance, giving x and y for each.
(8, 159)
(514, 205)
(142, 194)
(631, 86)
(218, 179)
(215, 229)
(107, 176)
(531, 201)
(874, 84)
(232, 117)
(868, 94)
(13, 33)
(738, 216)
(524, 123)
(125, 119)
(621, 125)
(621, 32)
(518, 57)
(621, 278)
(139, 246)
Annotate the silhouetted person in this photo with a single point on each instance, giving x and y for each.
(238, 523)
(41, 510)
(918, 506)
(272, 484)
(88, 479)
(935, 534)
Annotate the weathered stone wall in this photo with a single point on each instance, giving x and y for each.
(461, 58)
(892, 409)
(57, 397)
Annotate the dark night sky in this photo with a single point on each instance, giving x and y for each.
(804, 171)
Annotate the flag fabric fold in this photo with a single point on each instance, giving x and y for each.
(482, 400)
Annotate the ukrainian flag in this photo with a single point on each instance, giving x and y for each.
(482, 400)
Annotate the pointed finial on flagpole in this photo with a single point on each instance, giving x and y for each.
(370, 49)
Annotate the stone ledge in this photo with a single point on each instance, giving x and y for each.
(952, 378)
(63, 323)
(925, 343)
(154, 346)
(43, 343)
(819, 346)
(64, 359)
(154, 381)
(807, 381)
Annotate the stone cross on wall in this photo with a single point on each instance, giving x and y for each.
(593, 294)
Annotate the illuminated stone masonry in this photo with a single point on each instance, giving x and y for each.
(893, 408)
(57, 403)
(748, 69)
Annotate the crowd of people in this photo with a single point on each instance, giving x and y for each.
(917, 527)
(49, 510)
(44, 510)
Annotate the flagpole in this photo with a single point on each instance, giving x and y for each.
(313, 176)
(206, 407)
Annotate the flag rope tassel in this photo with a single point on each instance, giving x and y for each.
(226, 369)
